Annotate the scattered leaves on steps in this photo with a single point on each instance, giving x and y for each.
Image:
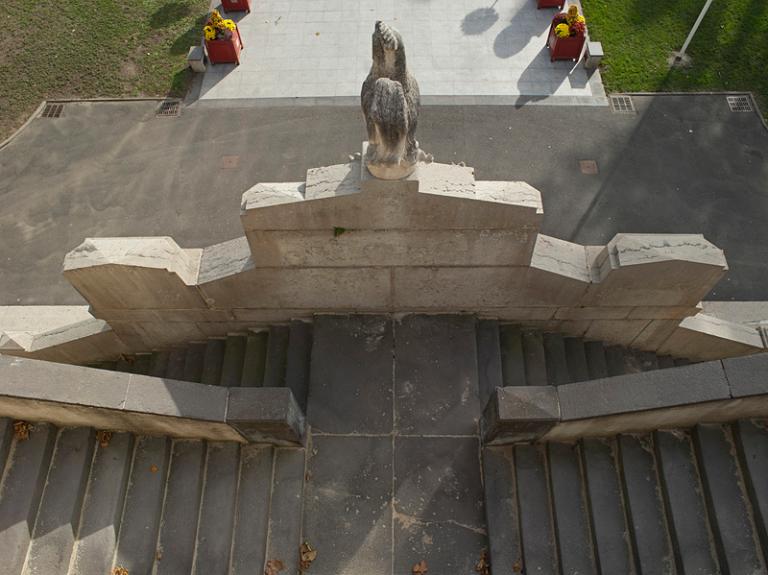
(274, 566)
(21, 430)
(307, 556)
(420, 568)
(483, 567)
(103, 437)
(517, 566)
(120, 571)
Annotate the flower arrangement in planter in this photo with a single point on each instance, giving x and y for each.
(222, 39)
(567, 34)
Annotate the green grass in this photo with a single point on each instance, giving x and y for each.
(93, 48)
(729, 51)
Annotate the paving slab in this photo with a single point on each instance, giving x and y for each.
(436, 388)
(323, 50)
(348, 505)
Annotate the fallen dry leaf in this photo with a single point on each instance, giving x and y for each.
(153, 468)
(483, 567)
(517, 566)
(307, 556)
(420, 568)
(120, 571)
(103, 437)
(274, 566)
(21, 430)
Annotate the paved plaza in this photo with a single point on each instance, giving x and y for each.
(322, 49)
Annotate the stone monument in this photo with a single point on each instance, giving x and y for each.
(390, 102)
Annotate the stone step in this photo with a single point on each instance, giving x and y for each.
(557, 363)
(141, 363)
(574, 538)
(59, 513)
(193, 362)
(213, 359)
(217, 509)
(607, 509)
(649, 361)
(501, 509)
(645, 506)
(665, 361)
(727, 499)
(181, 506)
(512, 355)
(23, 479)
(158, 365)
(284, 529)
(252, 509)
(103, 506)
(234, 358)
(6, 437)
(489, 363)
(684, 498)
(596, 362)
(615, 360)
(535, 358)
(576, 357)
(536, 523)
(298, 361)
(277, 356)
(140, 521)
(255, 360)
(752, 442)
(174, 368)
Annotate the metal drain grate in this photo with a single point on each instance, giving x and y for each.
(622, 104)
(169, 108)
(52, 111)
(739, 103)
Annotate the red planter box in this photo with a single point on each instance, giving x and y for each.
(550, 4)
(225, 51)
(236, 5)
(564, 48)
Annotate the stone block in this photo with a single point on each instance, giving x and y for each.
(135, 273)
(590, 313)
(560, 258)
(317, 289)
(266, 415)
(516, 414)
(654, 334)
(703, 337)
(616, 331)
(655, 270)
(663, 312)
(362, 248)
(333, 181)
(515, 314)
(168, 397)
(747, 375)
(648, 390)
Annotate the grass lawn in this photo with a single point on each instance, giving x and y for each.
(729, 51)
(93, 48)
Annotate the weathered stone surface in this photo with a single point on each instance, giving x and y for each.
(266, 415)
(168, 397)
(703, 337)
(747, 375)
(616, 331)
(644, 391)
(520, 413)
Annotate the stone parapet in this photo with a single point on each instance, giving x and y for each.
(710, 392)
(72, 396)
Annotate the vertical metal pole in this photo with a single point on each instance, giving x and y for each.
(693, 30)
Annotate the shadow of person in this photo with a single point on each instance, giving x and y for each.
(510, 41)
(478, 21)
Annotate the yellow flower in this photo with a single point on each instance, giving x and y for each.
(562, 31)
(210, 33)
(229, 24)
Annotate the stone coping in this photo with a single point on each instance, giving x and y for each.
(74, 396)
(715, 391)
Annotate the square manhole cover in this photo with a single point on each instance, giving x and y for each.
(739, 103)
(588, 167)
(622, 104)
(229, 162)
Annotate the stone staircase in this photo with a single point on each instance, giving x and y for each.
(672, 501)
(74, 502)
(275, 357)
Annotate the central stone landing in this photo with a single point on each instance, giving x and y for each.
(394, 466)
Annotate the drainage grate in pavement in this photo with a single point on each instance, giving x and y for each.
(52, 111)
(622, 104)
(739, 103)
(588, 167)
(169, 108)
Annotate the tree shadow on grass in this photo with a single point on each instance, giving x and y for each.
(190, 37)
(170, 13)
